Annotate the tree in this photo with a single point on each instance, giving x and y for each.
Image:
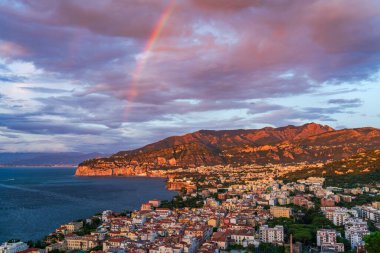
(322, 222)
(303, 235)
(372, 242)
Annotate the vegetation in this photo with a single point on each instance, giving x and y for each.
(89, 227)
(359, 200)
(235, 247)
(372, 242)
(271, 248)
(179, 202)
(57, 251)
(305, 227)
(36, 244)
(360, 169)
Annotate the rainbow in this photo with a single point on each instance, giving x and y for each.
(156, 32)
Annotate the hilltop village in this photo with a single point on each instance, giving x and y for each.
(224, 209)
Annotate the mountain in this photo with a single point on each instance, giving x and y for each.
(30, 159)
(310, 142)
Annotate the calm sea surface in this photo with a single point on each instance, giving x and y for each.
(35, 201)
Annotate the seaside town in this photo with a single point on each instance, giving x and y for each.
(189, 126)
(225, 209)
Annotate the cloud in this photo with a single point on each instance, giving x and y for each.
(342, 101)
(29, 123)
(45, 90)
(70, 66)
(11, 79)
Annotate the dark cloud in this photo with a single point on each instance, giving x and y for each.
(11, 78)
(30, 123)
(45, 90)
(342, 101)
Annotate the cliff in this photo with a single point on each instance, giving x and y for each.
(310, 142)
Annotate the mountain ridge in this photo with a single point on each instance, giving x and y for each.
(45, 158)
(310, 142)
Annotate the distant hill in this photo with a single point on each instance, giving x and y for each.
(30, 159)
(310, 143)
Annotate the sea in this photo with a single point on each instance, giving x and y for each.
(35, 201)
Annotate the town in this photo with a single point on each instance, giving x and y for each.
(251, 208)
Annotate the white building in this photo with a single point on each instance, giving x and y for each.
(332, 247)
(326, 236)
(355, 230)
(339, 217)
(369, 213)
(272, 235)
(242, 237)
(106, 214)
(13, 247)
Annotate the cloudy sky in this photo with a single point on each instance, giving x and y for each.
(113, 75)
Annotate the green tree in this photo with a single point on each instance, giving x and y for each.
(372, 242)
(303, 235)
(322, 222)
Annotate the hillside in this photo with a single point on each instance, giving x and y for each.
(310, 142)
(362, 168)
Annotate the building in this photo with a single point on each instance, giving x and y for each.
(163, 212)
(326, 236)
(213, 221)
(272, 235)
(376, 205)
(74, 226)
(61, 246)
(278, 211)
(75, 242)
(221, 240)
(336, 214)
(155, 202)
(242, 237)
(146, 207)
(327, 202)
(106, 215)
(369, 212)
(13, 247)
(355, 230)
(302, 201)
(166, 249)
(355, 235)
(332, 247)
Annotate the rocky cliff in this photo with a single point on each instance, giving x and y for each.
(310, 142)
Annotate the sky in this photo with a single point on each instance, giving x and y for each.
(104, 76)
